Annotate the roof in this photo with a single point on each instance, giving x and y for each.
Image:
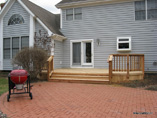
(81, 3)
(68, 1)
(52, 21)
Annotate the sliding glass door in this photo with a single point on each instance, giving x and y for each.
(77, 53)
(82, 53)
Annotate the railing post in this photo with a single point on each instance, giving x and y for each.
(143, 68)
(48, 70)
(128, 66)
(110, 71)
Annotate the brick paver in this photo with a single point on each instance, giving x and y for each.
(67, 100)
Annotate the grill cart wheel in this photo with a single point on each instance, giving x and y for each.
(30, 95)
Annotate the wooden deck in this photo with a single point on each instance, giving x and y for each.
(92, 75)
(81, 75)
(122, 67)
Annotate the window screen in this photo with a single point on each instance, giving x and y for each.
(69, 14)
(140, 11)
(15, 46)
(24, 42)
(152, 9)
(6, 46)
(78, 13)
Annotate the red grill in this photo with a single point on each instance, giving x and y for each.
(19, 80)
(18, 76)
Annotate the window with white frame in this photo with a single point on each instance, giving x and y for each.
(123, 43)
(69, 14)
(78, 13)
(11, 46)
(16, 19)
(74, 14)
(6, 50)
(145, 9)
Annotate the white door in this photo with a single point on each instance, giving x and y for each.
(81, 53)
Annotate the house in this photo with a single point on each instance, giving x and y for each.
(19, 20)
(89, 31)
(97, 28)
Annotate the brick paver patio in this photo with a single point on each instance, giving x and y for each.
(66, 100)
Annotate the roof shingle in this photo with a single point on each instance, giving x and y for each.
(52, 21)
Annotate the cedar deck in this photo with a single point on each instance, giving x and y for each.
(121, 68)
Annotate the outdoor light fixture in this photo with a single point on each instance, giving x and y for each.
(98, 41)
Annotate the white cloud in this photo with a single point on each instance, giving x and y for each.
(2, 1)
(46, 4)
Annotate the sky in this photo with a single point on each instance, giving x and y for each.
(47, 4)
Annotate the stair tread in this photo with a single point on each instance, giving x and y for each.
(79, 79)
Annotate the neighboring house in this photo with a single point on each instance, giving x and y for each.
(97, 28)
(19, 20)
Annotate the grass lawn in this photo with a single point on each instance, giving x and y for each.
(3, 85)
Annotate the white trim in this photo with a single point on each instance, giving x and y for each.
(129, 41)
(82, 63)
(44, 26)
(6, 8)
(61, 19)
(146, 10)
(41, 23)
(26, 8)
(89, 3)
(1, 43)
(31, 32)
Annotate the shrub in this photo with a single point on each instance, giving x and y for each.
(152, 87)
(32, 60)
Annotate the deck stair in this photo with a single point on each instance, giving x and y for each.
(80, 76)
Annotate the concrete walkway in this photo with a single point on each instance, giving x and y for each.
(67, 100)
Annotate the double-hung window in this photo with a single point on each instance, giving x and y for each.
(69, 14)
(6, 46)
(152, 9)
(11, 46)
(145, 9)
(78, 13)
(15, 46)
(74, 14)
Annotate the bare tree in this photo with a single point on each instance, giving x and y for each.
(32, 60)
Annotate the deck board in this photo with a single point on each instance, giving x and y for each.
(81, 70)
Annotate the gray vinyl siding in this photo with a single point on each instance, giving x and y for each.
(58, 55)
(38, 28)
(17, 30)
(107, 22)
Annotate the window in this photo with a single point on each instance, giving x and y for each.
(24, 42)
(78, 13)
(123, 43)
(6, 45)
(16, 19)
(74, 14)
(152, 9)
(69, 14)
(11, 46)
(15, 46)
(146, 9)
(140, 11)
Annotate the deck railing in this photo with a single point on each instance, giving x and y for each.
(125, 63)
(50, 67)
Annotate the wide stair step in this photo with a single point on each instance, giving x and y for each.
(80, 77)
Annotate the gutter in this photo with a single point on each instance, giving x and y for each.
(89, 3)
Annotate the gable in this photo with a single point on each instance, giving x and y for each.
(15, 30)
